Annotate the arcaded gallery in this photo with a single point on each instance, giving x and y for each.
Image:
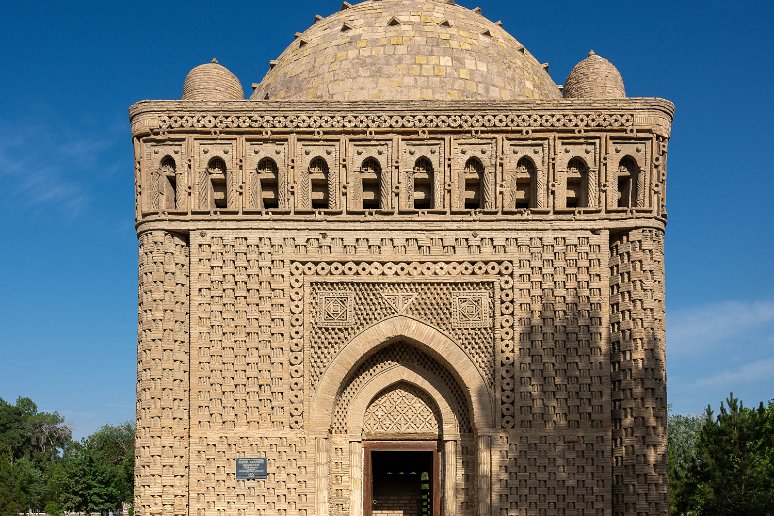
(407, 275)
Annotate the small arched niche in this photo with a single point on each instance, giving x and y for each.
(474, 180)
(424, 181)
(371, 181)
(628, 177)
(577, 187)
(168, 175)
(268, 181)
(218, 179)
(525, 183)
(319, 179)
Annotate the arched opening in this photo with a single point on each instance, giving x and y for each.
(398, 405)
(628, 175)
(218, 176)
(577, 188)
(402, 349)
(525, 180)
(168, 173)
(268, 179)
(371, 178)
(319, 182)
(423, 184)
(474, 180)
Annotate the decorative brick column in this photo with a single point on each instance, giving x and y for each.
(322, 476)
(162, 455)
(449, 477)
(638, 373)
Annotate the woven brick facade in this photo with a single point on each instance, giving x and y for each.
(318, 275)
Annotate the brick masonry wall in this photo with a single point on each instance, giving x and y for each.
(555, 382)
(396, 506)
(397, 497)
(554, 402)
(554, 369)
(241, 382)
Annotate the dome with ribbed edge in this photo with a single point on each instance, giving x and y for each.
(594, 78)
(406, 50)
(212, 81)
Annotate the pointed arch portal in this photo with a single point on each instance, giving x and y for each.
(396, 367)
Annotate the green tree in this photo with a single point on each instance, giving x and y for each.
(11, 494)
(31, 443)
(97, 474)
(112, 449)
(732, 472)
(11, 429)
(683, 432)
(67, 481)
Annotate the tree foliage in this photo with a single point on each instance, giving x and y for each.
(43, 469)
(96, 475)
(30, 445)
(728, 468)
(683, 432)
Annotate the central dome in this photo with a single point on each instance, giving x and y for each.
(406, 50)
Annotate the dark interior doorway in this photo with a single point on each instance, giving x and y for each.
(402, 479)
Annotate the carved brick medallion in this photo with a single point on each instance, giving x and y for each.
(471, 310)
(335, 309)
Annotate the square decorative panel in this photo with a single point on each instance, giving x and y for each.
(471, 310)
(335, 309)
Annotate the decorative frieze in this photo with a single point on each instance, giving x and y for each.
(513, 176)
(510, 121)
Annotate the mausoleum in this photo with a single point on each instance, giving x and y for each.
(408, 275)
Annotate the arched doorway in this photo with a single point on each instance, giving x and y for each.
(401, 406)
(401, 454)
(408, 365)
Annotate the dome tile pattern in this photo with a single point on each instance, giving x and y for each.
(406, 50)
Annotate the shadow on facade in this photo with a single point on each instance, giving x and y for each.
(584, 417)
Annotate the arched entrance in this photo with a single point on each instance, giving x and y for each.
(406, 398)
(401, 456)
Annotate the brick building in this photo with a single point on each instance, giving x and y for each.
(410, 271)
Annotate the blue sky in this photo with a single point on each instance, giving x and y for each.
(71, 70)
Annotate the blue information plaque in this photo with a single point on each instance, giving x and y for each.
(251, 469)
